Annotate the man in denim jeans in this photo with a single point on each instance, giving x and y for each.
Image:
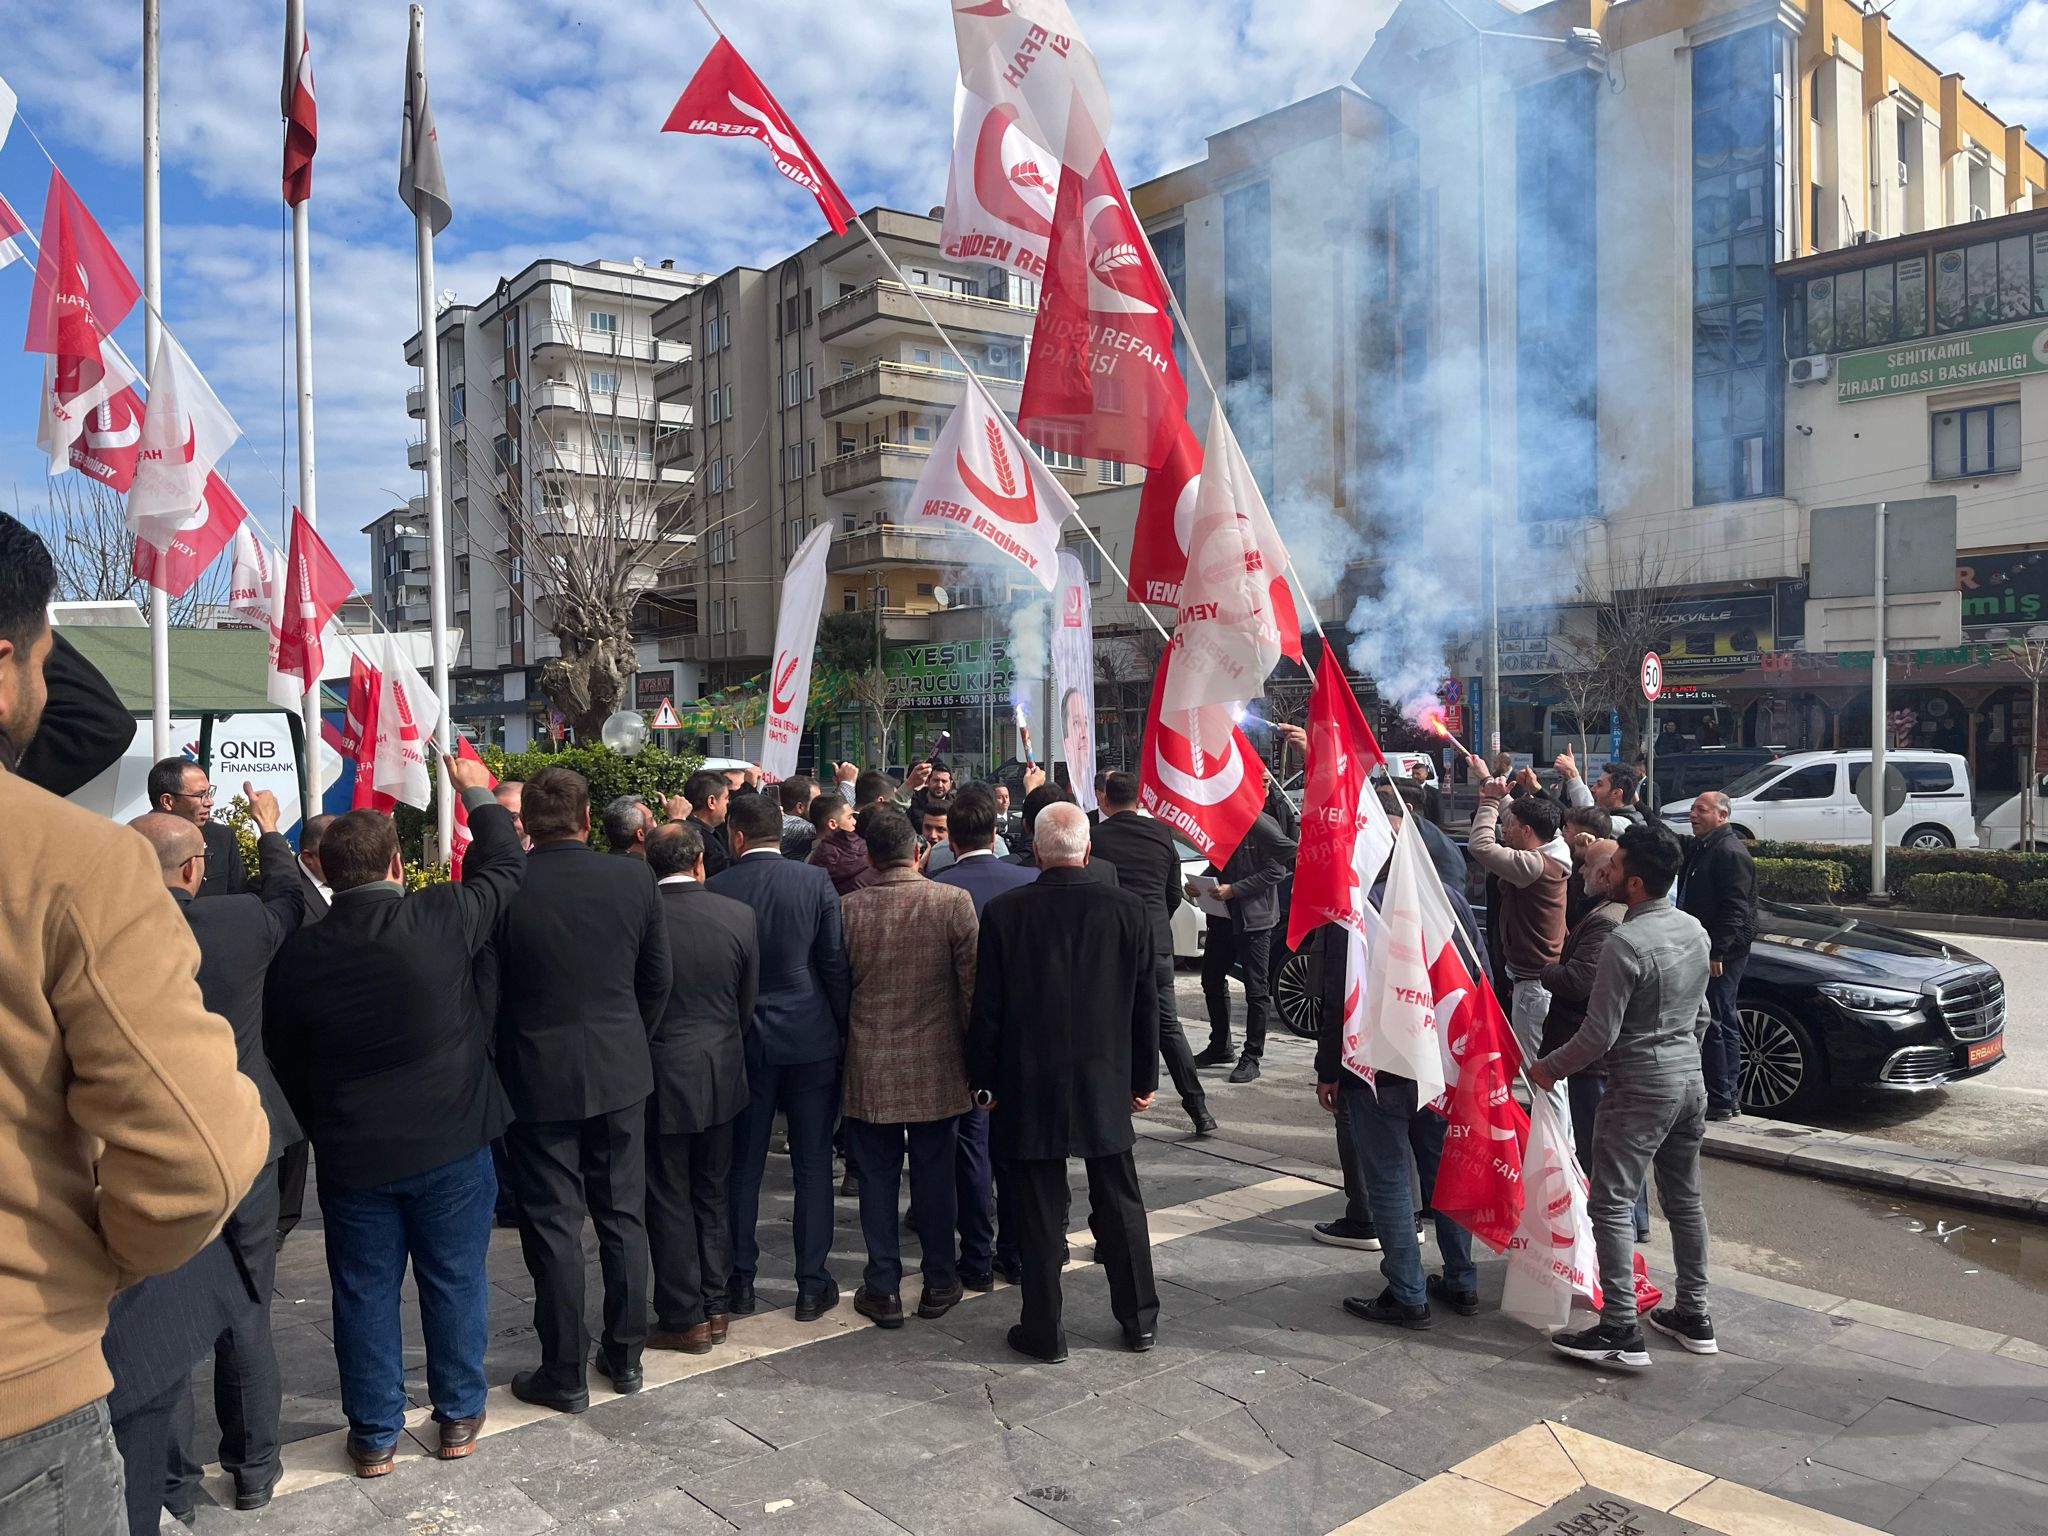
(1717, 885)
(1517, 840)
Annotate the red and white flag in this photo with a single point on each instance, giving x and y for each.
(10, 226)
(1552, 1257)
(983, 479)
(83, 289)
(1479, 1177)
(796, 638)
(189, 547)
(186, 433)
(91, 417)
(1101, 379)
(314, 588)
(1000, 191)
(460, 839)
(1345, 833)
(1166, 518)
(252, 579)
(1198, 774)
(358, 741)
(726, 97)
(301, 121)
(1390, 1020)
(1028, 55)
(408, 714)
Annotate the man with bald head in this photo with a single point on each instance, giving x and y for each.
(1062, 1049)
(1717, 885)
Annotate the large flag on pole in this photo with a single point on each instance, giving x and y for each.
(1029, 56)
(1479, 1177)
(1166, 519)
(359, 729)
(422, 184)
(314, 588)
(1552, 1257)
(458, 845)
(7, 99)
(1345, 833)
(252, 579)
(408, 715)
(726, 97)
(1390, 1022)
(1198, 774)
(796, 638)
(10, 226)
(1000, 191)
(302, 122)
(1073, 675)
(982, 479)
(186, 433)
(190, 546)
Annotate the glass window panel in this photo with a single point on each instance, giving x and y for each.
(1820, 314)
(1750, 198)
(1713, 72)
(1749, 461)
(1750, 125)
(1948, 444)
(1748, 399)
(2005, 436)
(1710, 279)
(2015, 279)
(1713, 213)
(1877, 305)
(1712, 139)
(1910, 318)
(1795, 323)
(1752, 265)
(1983, 284)
(1710, 405)
(1712, 345)
(1976, 441)
(1849, 310)
(1712, 462)
(1749, 333)
(2041, 274)
(1951, 310)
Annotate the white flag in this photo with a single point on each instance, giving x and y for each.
(1028, 55)
(1000, 191)
(67, 417)
(1394, 1026)
(7, 100)
(408, 714)
(982, 478)
(796, 637)
(185, 434)
(1227, 639)
(252, 582)
(1551, 1257)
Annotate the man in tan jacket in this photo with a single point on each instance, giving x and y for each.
(126, 1134)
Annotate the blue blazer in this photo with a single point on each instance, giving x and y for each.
(985, 878)
(801, 1002)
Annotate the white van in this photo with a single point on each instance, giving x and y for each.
(1810, 797)
(2001, 829)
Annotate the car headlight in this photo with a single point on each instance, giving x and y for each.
(1864, 999)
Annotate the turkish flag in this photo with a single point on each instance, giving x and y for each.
(1345, 833)
(83, 289)
(726, 97)
(189, 547)
(314, 588)
(301, 123)
(1166, 516)
(982, 479)
(1479, 1179)
(1102, 379)
(1198, 774)
(462, 837)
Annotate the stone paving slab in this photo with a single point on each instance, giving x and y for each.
(1935, 1173)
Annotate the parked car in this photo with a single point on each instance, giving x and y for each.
(2002, 829)
(1683, 775)
(1810, 797)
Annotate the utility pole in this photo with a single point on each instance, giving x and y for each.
(152, 333)
(1880, 732)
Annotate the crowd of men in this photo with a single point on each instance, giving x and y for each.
(906, 975)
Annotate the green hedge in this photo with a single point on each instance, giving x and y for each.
(2030, 899)
(1901, 865)
(1959, 891)
(1812, 880)
(653, 774)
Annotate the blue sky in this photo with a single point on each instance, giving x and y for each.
(548, 113)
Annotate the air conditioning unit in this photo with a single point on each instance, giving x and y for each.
(998, 356)
(1808, 370)
(1863, 237)
(1905, 179)
(1977, 213)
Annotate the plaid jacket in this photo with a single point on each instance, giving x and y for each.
(910, 943)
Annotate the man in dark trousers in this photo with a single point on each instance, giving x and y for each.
(1062, 1049)
(700, 1087)
(793, 1053)
(178, 786)
(1717, 885)
(291, 1166)
(1249, 884)
(238, 936)
(1147, 864)
(375, 1030)
(583, 979)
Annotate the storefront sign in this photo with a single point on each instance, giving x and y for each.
(949, 674)
(1717, 634)
(2010, 589)
(650, 688)
(1942, 362)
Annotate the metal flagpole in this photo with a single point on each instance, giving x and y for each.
(152, 329)
(437, 538)
(302, 318)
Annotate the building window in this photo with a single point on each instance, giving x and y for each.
(462, 574)
(732, 481)
(792, 311)
(810, 380)
(1170, 245)
(810, 456)
(515, 569)
(511, 330)
(604, 322)
(1978, 440)
(456, 400)
(849, 601)
(604, 382)
(1248, 325)
(512, 393)
(793, 387)
(1072, 463)
(1110, 472)
(711, 334)
(717, 475)
(713, 407)
(1557, 389)
(504, 628)
(1089, 556)
(728, 400)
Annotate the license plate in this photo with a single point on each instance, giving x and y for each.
(1987, 1050)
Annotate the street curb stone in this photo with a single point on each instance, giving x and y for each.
(1948, 922)
(1989, 1184)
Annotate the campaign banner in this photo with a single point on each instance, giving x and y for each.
(1073, 675)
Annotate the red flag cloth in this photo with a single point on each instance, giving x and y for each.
(726, 97)
(315, 588)
(1166, 514)
(1339, 809)
(1479, 1178)
(1199, 775)
(189, 549)
(108, 441)
(460, 839)
(359, 734)
(83, 289)
(10, 226)
(301, 124)
(1102, 379)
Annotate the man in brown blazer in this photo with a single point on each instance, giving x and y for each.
(910, 945)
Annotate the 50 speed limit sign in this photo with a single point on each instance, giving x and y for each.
(1653, 675)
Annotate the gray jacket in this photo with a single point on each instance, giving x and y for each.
(1648, 1011)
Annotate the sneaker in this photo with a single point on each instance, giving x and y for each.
(1346, 1233)
(1464, 1303)
(1695, 1330)
(1386, 1308)
(1216, 1056)
(1246, 1070)
(1604, 1345)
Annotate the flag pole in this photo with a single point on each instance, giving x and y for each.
(437, 540)
(302, 320)
(152, 328)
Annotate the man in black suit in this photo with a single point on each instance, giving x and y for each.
(793, 1052)
(710, 797)
(178, 786)
(1147, 863)
(1249, 884)
(700, 1087)
(238, 936)
(1063, 1048)
(291, 1166)
(583, 977)
(378, 1039)
(311, 876)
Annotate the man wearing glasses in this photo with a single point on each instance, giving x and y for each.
(179, 787)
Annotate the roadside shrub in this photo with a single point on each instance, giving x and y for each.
(1958, 891)
(653, 773)
(2030, 899)
(419, 876)
(1808, 880)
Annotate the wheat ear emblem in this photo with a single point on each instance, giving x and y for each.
(1006, 479)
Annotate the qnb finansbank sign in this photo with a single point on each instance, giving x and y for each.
(1943, 362)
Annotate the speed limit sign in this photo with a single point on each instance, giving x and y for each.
(1653, 675)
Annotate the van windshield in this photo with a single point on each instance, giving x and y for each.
(1752, 781)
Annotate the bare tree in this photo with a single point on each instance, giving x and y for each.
(85, 525)
(881, 703)
(1636, 597)
(1128, 664)
(2031, 657)
(1584, 684)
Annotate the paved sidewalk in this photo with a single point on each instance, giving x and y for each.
(1264, 1411)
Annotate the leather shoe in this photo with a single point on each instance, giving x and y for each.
(981, 1283)
(528, 1390)
(1205, 1123)
(1216, 1056)
(1024, 1346)
(625, 1380)
(719, 1323)
(739, 1299)
(882, 1311)
(1464, 1303)
(458, 1438)
(812, 1305)
(1138, 1340)
(1009, 1274)
(250, 1498)
(693, 1340)
(369, 1461)
(1385, 1308)
(934, 1304)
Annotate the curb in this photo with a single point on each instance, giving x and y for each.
(1948, 922)
(1981, 1183)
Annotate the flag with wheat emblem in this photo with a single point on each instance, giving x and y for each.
(982, 479)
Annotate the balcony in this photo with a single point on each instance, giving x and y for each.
(571, 460)
(416, 402)
(886, 308)
(596, 343)
(567, 523)
(700, 646)
(677, 474)
(674, 448)
(881, 544)
(669, 372)
(873, 466)
(881, 389)
(416, 453)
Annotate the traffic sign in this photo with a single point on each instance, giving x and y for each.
(1452, 690)
(665, 717)
(1894, 789)
(1652, 675)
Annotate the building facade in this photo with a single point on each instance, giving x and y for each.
(399, 561)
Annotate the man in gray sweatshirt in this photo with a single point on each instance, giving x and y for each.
(1643, 1026)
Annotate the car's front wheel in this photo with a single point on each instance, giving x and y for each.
(1298, 990)
(1781, 1066)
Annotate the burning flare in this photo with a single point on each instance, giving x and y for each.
(1431, 718)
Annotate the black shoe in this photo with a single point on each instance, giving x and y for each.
(982, 1283)
(625, 1381)
(246, 1498)
(739, 1299)
(1205, 1123)
(1695, 1330)
(1009, 1274)
(525, 1389)
(882, 1311)
(187, 1517)
(1730, 1113)
(932, 1305)
(1604, 1345)
(849, 1185)
(815, 1304)
(1216, 1056)
(1384, 1308)
(1246, 1070)
(1138, 1340)
(1346, 1233)
(1023, 1347)
(1464, 1303)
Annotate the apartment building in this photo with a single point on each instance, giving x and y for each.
(548, 405)
(399, 563)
